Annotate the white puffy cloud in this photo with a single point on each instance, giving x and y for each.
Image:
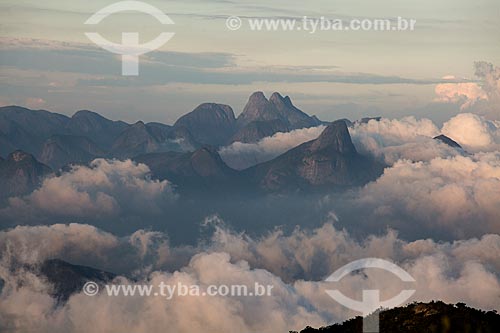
(240, 155)
(473, 132)
(482, 98)
(466, 93)
(105, 188)
(393, 139)
(446, 197)
(461, 271)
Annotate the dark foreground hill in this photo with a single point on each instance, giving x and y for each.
(432, 317)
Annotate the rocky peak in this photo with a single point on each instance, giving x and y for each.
(258, 108)
(19, 155)
(257, 96)
(336, 138)
(447, 140)
(277, 99)
(207, 162)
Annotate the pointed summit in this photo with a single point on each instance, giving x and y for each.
(330, 161)
(277, 99)
(447, 140)
(258, 108)
(335, 138)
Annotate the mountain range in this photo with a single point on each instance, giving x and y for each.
(186, 153)
(58, 140)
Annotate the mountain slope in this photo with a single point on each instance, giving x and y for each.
(61, 150)
(138, 139)
(330, 161)
(200, 170)
(262, 117)
(423, 317)
(67, 279)
(100, 130)
(26, 129)
(209, 123)
(295, 117)
(20, 173)
(257, 130)
(450, 142)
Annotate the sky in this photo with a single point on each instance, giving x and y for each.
(47, 62)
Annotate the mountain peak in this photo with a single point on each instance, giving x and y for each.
(209, 123)
(336, 137)
(447, 140)
(258, 108)
(277, 98)
(139, 124)
(86, 113)
(19, 155)
(216, 109)
(257, 96)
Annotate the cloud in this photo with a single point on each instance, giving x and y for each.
(429, 189)
(162, 67)
(35, 103)
(390, 140)
(445, 198)
(294, 264)
(482, 97)
(464, 93)
(240, 155)
(105, 188)
(473, 132)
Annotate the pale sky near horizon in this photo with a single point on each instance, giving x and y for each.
(47, 62)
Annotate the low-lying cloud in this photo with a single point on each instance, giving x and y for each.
(240, 155)
(295, 264)
(104, 188)
(452, 197)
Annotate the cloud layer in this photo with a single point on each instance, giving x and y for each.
(105, 188)
(295, 264)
